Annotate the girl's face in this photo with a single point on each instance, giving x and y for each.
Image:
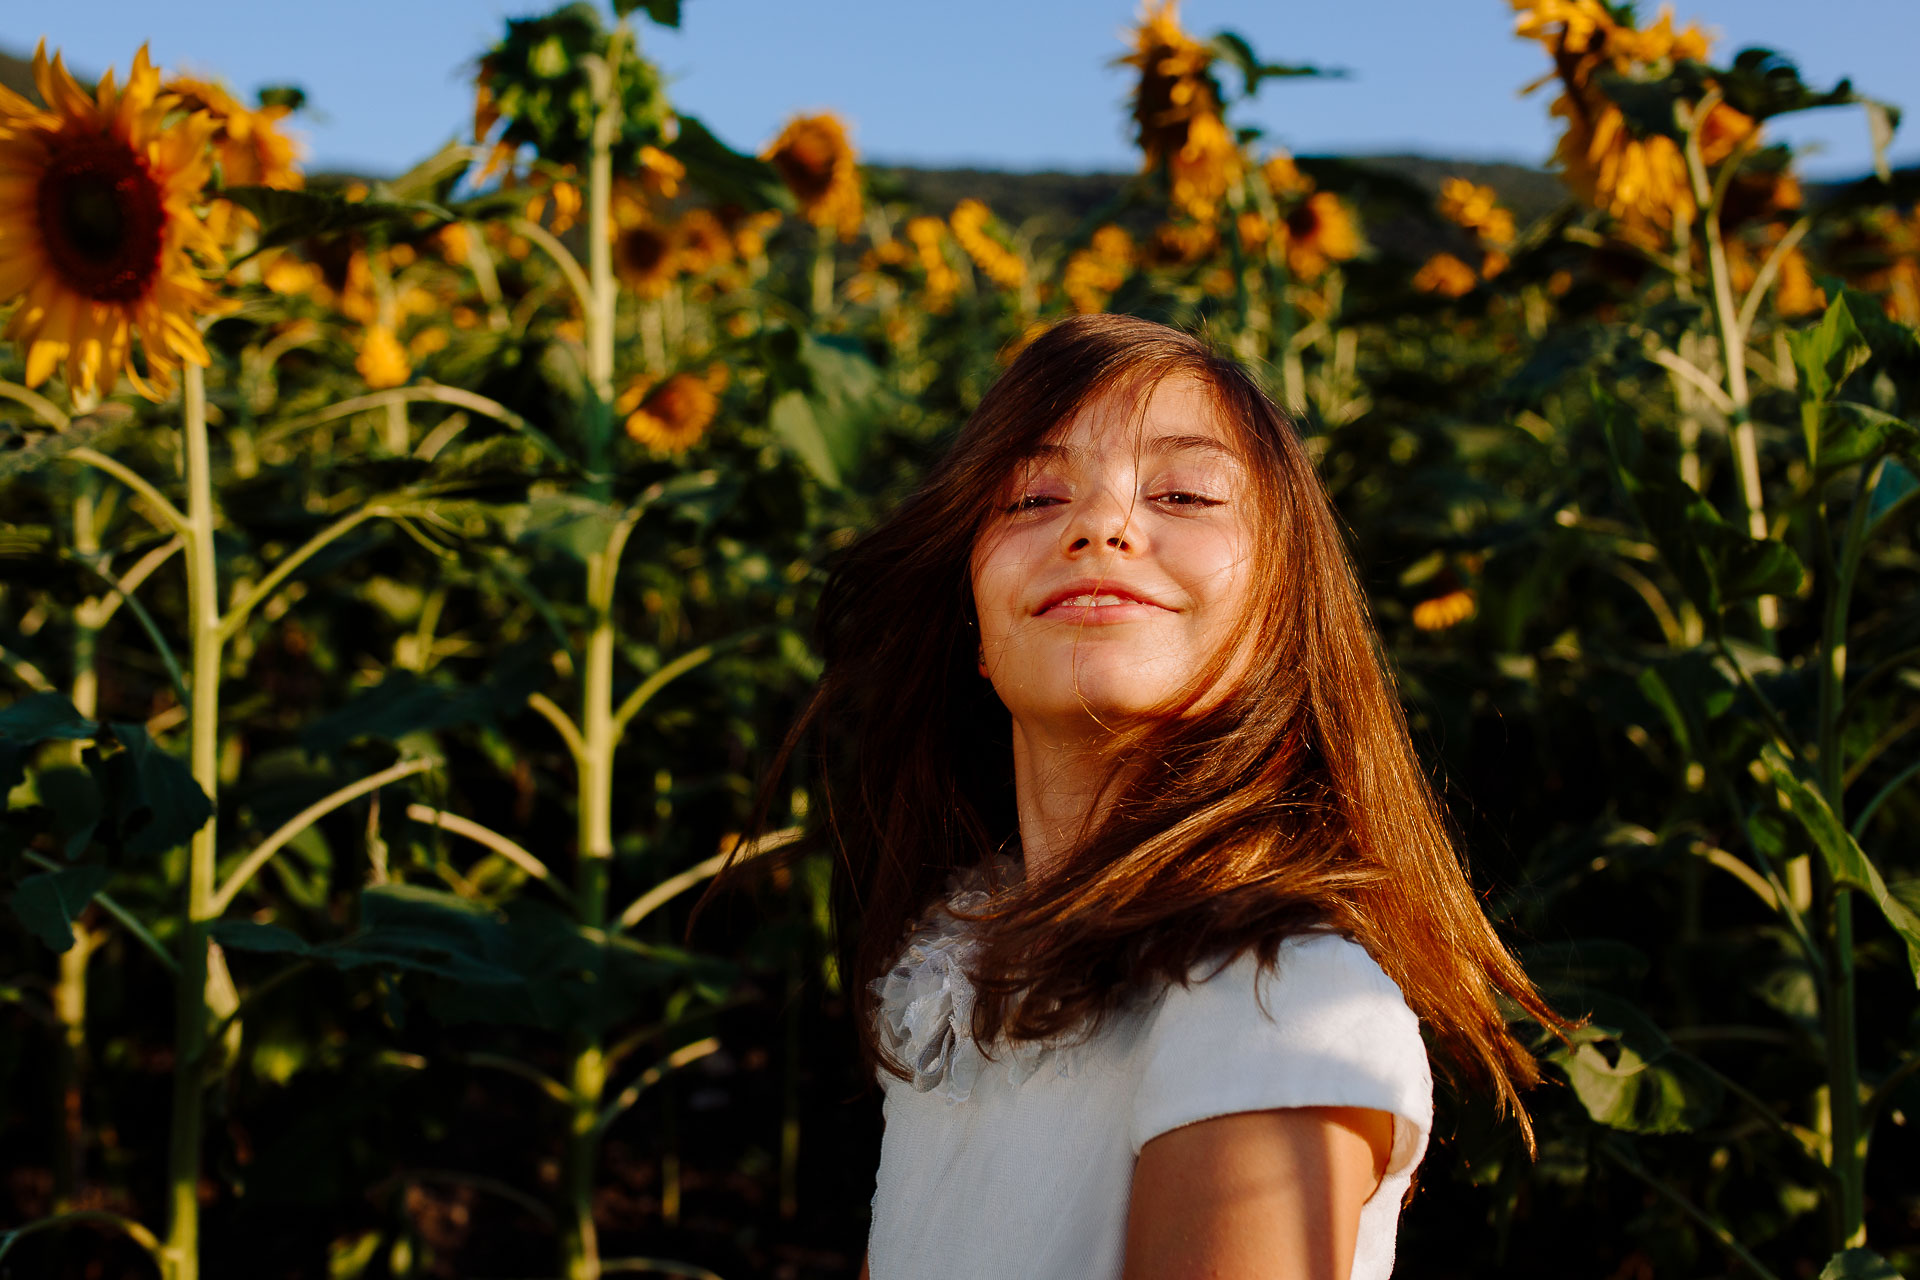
(1118, 562)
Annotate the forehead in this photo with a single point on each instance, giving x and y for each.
(1179, 413)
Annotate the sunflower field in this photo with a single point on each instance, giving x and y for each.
(404, 585)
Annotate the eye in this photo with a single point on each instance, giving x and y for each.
(1030, 502)
(1186, 498)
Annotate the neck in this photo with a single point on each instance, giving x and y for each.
(1056, 780)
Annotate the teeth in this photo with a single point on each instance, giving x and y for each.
(1088, 602)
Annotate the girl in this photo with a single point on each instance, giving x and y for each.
(1144, 898)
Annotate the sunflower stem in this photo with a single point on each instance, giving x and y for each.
(1733, 343)
(70, 988)
(180, 1255)
(586, 1075)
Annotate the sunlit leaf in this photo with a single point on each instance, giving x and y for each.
(1846, 861)
(793, 420)
(1629, 1076)
(1858, 1264)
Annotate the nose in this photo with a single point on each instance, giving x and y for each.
(1105, 520)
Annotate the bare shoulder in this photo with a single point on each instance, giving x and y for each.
(1256, 1193)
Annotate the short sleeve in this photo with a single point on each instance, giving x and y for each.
(1324, 1027)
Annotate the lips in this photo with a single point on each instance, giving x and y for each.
(1079, 597)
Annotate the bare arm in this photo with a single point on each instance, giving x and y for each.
(1256, 1195)
(864, 1273)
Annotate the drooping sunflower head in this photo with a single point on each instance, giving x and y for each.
(98, 228)
(1176, 84)
(815, 159)
(1639, 179)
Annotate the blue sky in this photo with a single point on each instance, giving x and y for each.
(1021, 84)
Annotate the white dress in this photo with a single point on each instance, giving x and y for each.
(1020, 1166)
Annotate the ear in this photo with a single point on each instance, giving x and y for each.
(982, 662)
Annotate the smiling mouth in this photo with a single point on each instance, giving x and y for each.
(1086, 600)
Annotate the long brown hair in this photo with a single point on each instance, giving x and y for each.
(1293, 801)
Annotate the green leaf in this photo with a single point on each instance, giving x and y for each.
(158, 803)
(1764, 83)
(793, 420)
(249, 935)
(1858, 1264)
(1851, 432)
(290, 96)
(725, 175)
(44, 717)
(49, 903)
(430, 178)
(1717, 564)
(574, 524)
(74, 799)
(95, 430)
(287, 216)
(1647, 104)
(1232, 48)
(1825, 353)
(664, 12)
(1846, 861)
(1629, 1076)
(405, 702)
(1897, 481)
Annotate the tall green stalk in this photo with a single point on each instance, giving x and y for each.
(599, 734)
(70, 988)
(180, 1258)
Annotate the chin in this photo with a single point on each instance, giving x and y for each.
(1115, 689)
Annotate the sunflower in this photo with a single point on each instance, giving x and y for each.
(1205, 167)
(1444, 611)
(1177, 113)
(1477, 209)
(1093, 273)
(1176, 84)
(1001, 265)
(702, 241)
(671, 417)
(817, 163)
(1445, 275)
(1181, 244)
(1319, 231)
(248, 143)
(929, 243)
(97, 228)
(643, 251)
(382, 361)
(1642, 181)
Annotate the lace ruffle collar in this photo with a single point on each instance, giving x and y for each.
(926, 1000)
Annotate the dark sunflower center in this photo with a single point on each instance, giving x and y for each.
(806, 164)
(642, 250)
(101, 219)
